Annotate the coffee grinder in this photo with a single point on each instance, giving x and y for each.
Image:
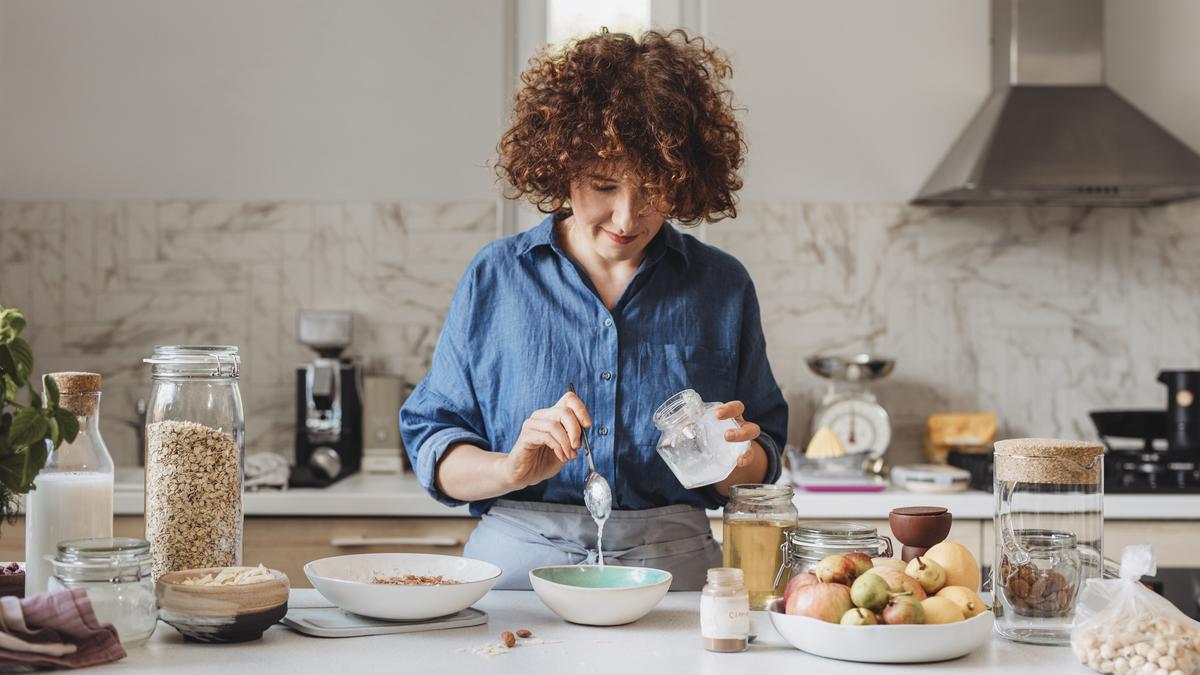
(329, 441)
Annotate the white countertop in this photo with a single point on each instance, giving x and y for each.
(377, 495)
(665, 641)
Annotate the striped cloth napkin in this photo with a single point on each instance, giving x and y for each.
(55, 629)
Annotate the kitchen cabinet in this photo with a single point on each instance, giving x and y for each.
(287, 543)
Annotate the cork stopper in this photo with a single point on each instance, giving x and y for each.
(79, 392)
(1049, 460)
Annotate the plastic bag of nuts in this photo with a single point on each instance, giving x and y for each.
(1123, 627)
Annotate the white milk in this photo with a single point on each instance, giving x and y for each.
(66, 505)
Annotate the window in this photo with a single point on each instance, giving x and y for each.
(567, 19)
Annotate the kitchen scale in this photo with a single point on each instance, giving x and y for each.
(855, 416)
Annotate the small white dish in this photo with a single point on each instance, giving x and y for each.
(884, 644)
(346, 582)
(600, 596)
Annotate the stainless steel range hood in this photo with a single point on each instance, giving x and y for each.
(1051, 132)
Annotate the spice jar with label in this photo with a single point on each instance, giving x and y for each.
(194, 456)
(725, 611)
(754, 523)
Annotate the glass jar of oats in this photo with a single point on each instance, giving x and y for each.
(194, 456)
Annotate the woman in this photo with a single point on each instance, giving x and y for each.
(611, 138)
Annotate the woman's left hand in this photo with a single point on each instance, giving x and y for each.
(746, 431)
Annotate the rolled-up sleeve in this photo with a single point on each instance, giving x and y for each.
(443, 410)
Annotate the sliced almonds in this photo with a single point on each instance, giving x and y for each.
(232, 576)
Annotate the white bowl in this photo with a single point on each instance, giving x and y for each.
(885, 644)
(600, 596)
(345, 581)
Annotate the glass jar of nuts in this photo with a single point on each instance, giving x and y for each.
(194, 459)
(1049, 529)
(1040, 577)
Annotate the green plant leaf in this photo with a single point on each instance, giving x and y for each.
(68, 424)
(8, 366)
(35, 401)
(22, 355)
(51, 388)
(28, 427)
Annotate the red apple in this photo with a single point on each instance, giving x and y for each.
(827, 602)
(862, 562)
(797, 582)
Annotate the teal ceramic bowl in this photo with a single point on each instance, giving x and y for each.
(600, 596)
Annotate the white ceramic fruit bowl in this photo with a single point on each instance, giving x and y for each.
(884, 644)
(345, 581)
(600, 596)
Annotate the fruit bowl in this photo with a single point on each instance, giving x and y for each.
(918, 643)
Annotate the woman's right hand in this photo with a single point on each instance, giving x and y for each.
(549, 439)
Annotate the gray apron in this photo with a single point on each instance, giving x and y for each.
(518, 536)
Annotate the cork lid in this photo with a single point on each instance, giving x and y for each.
(1048, 447)
(78, 392)
(1048, 460)
(76, 382)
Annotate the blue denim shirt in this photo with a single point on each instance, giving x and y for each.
(526, 320)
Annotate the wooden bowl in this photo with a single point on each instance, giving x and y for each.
(221, 613)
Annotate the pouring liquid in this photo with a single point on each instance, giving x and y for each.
(600, 540)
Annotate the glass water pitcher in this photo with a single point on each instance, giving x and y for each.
(1049, 526)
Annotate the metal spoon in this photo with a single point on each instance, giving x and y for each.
(597, 495)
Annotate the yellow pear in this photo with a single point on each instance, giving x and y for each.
(941, 610)
(961, 567)
(964, 598)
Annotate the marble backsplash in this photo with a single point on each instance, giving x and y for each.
(1036, 314)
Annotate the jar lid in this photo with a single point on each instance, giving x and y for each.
(761, 492)
(195, 361)
(824, 532)
(1044, 540)
(1055, 461)
(102, 550)
(1051, 448)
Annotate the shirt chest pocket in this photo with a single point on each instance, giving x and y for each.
(666, 369)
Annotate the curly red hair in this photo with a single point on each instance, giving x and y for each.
(658, 104)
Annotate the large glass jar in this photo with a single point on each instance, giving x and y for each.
(1049, 526)
(693, 440)
(73, 493)
(755, 520)
(808, 543)
(116, 575)
(194, 458)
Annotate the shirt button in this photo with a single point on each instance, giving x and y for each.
(607, 322)
(603, 431)
(606, 375)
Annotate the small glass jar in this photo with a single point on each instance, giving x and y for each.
(725, 611)
(754, 525)
(115, 572)
(1040, 577)
(808, 543)
(693, 440)
(194, 459)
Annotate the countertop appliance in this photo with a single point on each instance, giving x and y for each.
(1183, 410)
(1052, 131)
(329, 438)
(1137, 459)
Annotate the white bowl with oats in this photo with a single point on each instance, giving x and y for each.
(402, 586)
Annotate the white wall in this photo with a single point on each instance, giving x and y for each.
(849, 100)
(1153, 56)
(854, 100)
(249, 99)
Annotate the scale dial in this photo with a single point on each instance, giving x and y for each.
(863, 426)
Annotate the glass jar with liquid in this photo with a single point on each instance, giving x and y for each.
(755, 520)
(73, 494)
